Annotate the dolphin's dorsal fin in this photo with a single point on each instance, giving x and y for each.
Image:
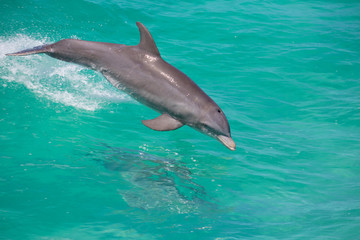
(146, 41)
(164, 122)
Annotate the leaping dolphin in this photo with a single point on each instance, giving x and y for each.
(142, 73)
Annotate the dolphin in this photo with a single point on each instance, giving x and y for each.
(142, 73)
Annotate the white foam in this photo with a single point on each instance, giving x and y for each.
(60, 82)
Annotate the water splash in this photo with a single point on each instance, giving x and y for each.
(58, 81)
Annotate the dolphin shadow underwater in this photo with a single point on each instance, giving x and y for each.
(142, 73)
(153, 182)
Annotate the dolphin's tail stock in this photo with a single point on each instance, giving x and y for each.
(35, 50)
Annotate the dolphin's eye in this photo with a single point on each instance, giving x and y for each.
(219, 111)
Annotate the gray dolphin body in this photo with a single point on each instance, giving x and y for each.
(142, 73)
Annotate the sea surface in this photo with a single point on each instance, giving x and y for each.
(77, 163)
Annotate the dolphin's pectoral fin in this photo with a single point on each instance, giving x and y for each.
(164, 122)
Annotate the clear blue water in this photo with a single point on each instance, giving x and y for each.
(76, 162)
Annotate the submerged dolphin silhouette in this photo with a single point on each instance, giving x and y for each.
(142, 73)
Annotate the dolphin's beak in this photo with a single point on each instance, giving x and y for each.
(228, 142)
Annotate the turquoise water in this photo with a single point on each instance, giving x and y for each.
(76, 162)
